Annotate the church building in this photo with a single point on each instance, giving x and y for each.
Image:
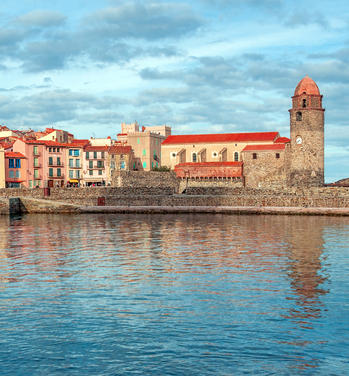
(258, 159)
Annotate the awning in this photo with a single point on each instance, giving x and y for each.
(73, 181)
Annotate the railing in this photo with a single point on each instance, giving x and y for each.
(55, 176)
(56, 164)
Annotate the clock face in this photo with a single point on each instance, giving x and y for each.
(298, 140)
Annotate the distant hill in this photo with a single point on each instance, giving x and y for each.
(343, 182)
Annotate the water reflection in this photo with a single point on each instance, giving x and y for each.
(240, 287)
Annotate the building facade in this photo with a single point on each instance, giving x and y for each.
(268, 159)
(145, 143)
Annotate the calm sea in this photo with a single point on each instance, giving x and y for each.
(174, 295)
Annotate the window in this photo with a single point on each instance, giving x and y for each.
(138, 141)
(95, 155)
(50, 161)
(87, 155)
(77, 174)
(254, 156)
(173, 155)
(11, 163)
(30, 183)
(11, 174)
(50, 150)
(194, 157)
(214, 154)
(57, 150)
(76, 153)
(37, 183)
(18, 163)
(144, 153)
(71, 174)
(18, 174)
(71, 162)
(36, 174)
(100, 172)
(58, 172)
(36, 151)
(58, 161)
(112, 165)
(77, 162)
(236, 156)
(102, 154)
(90, 172)
(277, 155)
(144, 164)
(122, 165)
(298, 116)
(54, 150)
(90, 164)
(304, 103)
(70, 152)
(36, 162)
(50, 172)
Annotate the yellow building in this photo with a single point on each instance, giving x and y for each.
(223, 147)
(146, 144)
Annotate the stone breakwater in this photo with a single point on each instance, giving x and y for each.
(326, 200)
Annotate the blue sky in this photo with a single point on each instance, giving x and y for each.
(201, 66)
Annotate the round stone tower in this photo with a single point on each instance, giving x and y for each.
(307, 135)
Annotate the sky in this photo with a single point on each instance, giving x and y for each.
(200, 66)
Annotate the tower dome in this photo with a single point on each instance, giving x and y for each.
(307, 86)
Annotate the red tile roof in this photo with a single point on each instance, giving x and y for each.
(308, 86)
(45, 143)
(78, 143)
(264, 147)
(6, 145)
(210, 164)
(118, 149)
(283, 140)
(221, 138)
(96, 148)
(13, 154)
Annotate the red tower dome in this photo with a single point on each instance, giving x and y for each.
(307, 86)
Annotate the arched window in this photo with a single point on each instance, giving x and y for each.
(304, 103)
(236, 156)
(194, 157)
(299, 116)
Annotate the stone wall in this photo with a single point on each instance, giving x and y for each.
(266, 171)
(149, 179)
(335, 197)
(210, 187)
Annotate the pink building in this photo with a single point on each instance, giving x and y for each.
(45, 162)
(15, 169)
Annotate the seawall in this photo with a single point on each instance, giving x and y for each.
(326, 200)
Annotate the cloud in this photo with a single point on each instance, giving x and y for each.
(41, 18)
(107, 36)
(300, 17)
(57, 106)
(149, 21)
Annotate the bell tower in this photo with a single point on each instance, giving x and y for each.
(307, 135)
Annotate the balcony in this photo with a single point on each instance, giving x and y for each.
(55, 164)
(76, 167)
(55, 176)
(37, 154)
(38, 165)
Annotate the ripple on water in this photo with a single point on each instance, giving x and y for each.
(173, 294)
